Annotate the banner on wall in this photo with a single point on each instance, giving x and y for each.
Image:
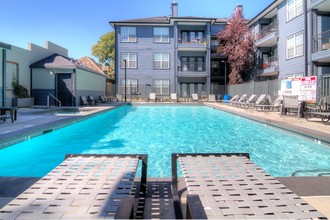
(304, 87)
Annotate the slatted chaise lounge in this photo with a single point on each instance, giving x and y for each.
(226, 186)
(82, 187)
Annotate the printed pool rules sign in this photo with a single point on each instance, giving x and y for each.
(304, 87)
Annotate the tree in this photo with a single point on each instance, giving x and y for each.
(105, 49)
(237, 45)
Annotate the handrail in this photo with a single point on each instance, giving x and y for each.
(320, 172)
(48, 104)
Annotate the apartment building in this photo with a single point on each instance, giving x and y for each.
(170, 54)
(292, 39)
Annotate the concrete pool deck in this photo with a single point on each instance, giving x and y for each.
(36, 121)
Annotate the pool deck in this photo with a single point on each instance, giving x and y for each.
(35, 121)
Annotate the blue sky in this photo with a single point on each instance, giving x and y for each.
(78, 24)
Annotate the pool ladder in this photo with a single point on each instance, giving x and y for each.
(56, 99)
(318, 172)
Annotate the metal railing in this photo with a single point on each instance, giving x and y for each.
(187, 39)
(271, 28)
(56, 99)
(270, 62)
(321, 41)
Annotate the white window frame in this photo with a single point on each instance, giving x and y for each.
(162, 86)
(131, 60)
(131, 85)
(295, 45)
(163, 36)
(128, 34)
(161, 61)
(294, 8)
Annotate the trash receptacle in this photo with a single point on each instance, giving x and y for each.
(226, 99)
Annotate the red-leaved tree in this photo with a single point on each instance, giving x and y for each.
(237, 44)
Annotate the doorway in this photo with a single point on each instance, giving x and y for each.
(64, 89)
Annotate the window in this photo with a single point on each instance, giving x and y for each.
(294, 8)
(294, 45)
(161, 61)
(162, 87)
(131, 86)
(161, 35)
(193, 64)
(131, 60)
(11, 75)
(128, 34)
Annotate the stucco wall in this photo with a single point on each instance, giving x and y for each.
(88, 83)
(25, 57)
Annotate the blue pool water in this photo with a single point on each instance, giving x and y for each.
(161, 130)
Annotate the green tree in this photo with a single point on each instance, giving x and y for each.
(238, 46)
(104, 50)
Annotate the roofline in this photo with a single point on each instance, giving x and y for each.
(114, 23)
(73, 66)
(274, 4)
(5, 46)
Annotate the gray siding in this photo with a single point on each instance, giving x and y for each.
(294, 65)
(145, 49)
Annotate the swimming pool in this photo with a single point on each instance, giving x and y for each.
(161, 130)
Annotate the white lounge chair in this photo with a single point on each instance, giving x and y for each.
(174, 97)
(195, 97)
(152, 97)
(212, 98)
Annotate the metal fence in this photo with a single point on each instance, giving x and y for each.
(269, 87)
(323, 85)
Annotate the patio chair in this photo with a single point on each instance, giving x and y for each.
(239, 101)
(152, 97)
(194, 97)
(321, 110)
(291, 103)
(8, 112)
(233, 99)
(231, 186)
(104, 99)
(267, 105)
(119, 97)
(212, 98)
(83, 100)
(83, 186)
(174, 97)
(92, 101)
(248, 102)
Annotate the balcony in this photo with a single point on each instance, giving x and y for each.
(192, 69)
(269, 67)
(321, 5)
(321, 47)
(267, 37)
(192, 43)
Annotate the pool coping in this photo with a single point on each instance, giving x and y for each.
(312, 134)
(37, 130)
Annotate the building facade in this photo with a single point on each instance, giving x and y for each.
(168, 55)
(292, 39)
(46, 71)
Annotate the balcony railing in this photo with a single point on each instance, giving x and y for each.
(321, 41)
(271, 28)
(270, 62)
(192, 67)
(187, 39)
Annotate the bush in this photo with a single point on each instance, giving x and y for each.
(19, 90)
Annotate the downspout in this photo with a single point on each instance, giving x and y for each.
(31, 80)
(306, 37)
